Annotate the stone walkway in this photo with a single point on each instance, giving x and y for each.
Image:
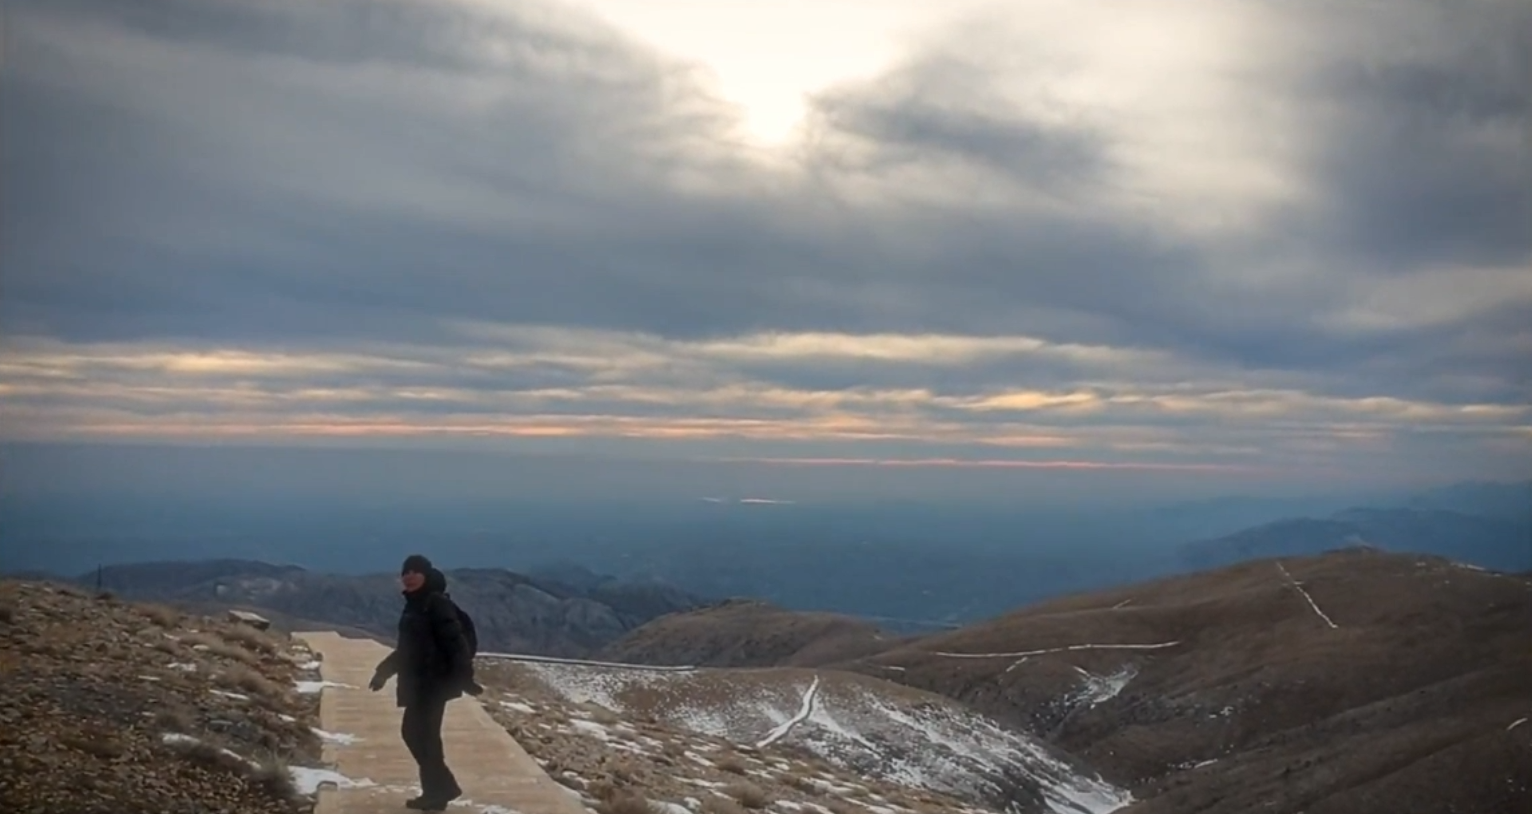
(496, 774)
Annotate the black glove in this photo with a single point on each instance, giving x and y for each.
(377, 682)
(474, 688)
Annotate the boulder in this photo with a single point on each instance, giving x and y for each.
(254, 620)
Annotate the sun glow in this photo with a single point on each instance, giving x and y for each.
(769, 58)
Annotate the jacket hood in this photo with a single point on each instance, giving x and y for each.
(436, 583)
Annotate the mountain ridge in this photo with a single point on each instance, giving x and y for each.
(1222, 691)
(511, 611)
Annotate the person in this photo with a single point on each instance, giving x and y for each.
(433, 663)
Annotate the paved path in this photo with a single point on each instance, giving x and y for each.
(496, 774)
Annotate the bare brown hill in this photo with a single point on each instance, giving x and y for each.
(1350, 682)
(142, 709)
(749, 633)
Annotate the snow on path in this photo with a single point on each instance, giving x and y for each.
(612, 664)
(1023, 653)
(1516, 723)
(806, 709)
(1295, 584)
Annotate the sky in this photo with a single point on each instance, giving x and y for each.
(1212, 242)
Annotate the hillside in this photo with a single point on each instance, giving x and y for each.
(805, 740)
(138, 709)
(1500, 542)
(512, 611)
(747, 633)
(1353, 681)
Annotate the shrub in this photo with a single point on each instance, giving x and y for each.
(626, 802)
(243, 678)
(161, 615)
(732, 764)
(721, 805)
(749, 795)
(175, 719)
(250, 638)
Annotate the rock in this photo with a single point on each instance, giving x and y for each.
(254, 620)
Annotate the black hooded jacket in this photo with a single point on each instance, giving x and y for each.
(431, 658)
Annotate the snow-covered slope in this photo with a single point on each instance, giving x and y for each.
(874, 728)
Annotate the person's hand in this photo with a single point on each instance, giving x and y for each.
(377, 682)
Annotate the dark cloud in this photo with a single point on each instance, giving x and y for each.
(325, 175)
(1427, 152)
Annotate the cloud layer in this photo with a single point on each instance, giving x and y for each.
(1244, 235)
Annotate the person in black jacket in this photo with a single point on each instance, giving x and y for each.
(433, 665)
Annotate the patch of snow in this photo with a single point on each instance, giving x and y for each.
(1516, 723)
(591, 728)
(530, 659)
(518, 706)
(176, 737)
(234, 695)
(308, 780)
(664, 807)
(287, 718)
(1306, 596)
(340, 738)
(1065, 649)
(804, 710)
(309, 665)
(150, 678)
(311, 687)
(183, 666)
(1099, 689)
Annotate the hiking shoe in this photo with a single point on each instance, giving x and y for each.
(438, 803)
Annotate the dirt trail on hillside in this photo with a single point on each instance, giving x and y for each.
(496, 774)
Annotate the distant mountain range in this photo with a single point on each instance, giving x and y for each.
(512, 612)
(1500, 542)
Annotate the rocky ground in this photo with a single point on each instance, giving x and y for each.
(120, 708)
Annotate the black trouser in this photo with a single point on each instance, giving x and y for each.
(422, 731)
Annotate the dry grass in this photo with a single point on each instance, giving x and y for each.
(177, 720)
(220, 648)
(838, 806)
(603, 790)
(104, 745)
(252, 639)
(239, 677)
(209, 753)
(162, 615)
(7, 613)
(626, 802)
(732, 764)
(748, 795)
(270, 774)
(805, 785)
(721, 805)
(600, 714)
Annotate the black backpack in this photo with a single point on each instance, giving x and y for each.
(470, 635)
